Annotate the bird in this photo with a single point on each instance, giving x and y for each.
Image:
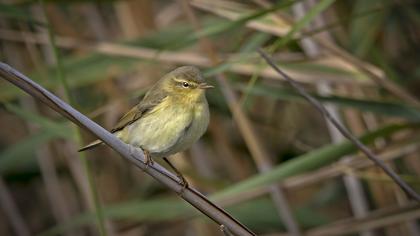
(171, 117)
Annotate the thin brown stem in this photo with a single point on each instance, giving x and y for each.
(343, 130)
(11, 210)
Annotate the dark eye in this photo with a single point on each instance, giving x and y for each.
(185, 84)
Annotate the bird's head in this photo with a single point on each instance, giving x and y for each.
(185, 82)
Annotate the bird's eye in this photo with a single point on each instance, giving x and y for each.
(185, 84)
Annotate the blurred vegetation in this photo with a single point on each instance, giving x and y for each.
(359, 58)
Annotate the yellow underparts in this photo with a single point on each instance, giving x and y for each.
(172, 126)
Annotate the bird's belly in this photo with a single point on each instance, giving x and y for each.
(191, 134)
(156, 133)
(166, 132)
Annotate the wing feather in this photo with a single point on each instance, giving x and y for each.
(150, 100)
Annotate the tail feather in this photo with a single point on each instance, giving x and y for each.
(91, 145)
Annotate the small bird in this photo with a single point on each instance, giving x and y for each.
(172, 116)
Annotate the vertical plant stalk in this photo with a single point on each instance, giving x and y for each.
(259, 154)
(94, 20)
(353, 185)
(60, 208)
(135, 17)
(11, 211)
(56, 200)
(60, 75)
(53, 187)
(397, 179)
(190, 195)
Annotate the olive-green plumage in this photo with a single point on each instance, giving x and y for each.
(172, 116)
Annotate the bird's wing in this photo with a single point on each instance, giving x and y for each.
(152, 98)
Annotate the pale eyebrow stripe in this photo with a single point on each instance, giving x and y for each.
(183, 80)
(178, 80)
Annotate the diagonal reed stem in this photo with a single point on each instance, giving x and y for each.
(190, 195)
(343, 130)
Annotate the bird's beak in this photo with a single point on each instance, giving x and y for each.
(205, 86)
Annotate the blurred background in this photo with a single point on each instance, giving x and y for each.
(359, 58)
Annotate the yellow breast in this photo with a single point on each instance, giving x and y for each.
(171, 127)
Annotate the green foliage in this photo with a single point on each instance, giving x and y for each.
(17, 13)
(301, 23)
(309, 161)
(380, 32)
(20, 154)
(379, 107)
(251, 212)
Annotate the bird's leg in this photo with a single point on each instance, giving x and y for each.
(148, 161)
(148, 158)
(184, 182)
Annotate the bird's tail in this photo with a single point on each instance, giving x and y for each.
(91, 145)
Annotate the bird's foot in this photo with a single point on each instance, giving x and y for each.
(183, 182)
(148, 161)
(184, 185)
(148, 158)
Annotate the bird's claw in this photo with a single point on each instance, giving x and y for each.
(148, 158)
(183, 183)
(148, 161)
